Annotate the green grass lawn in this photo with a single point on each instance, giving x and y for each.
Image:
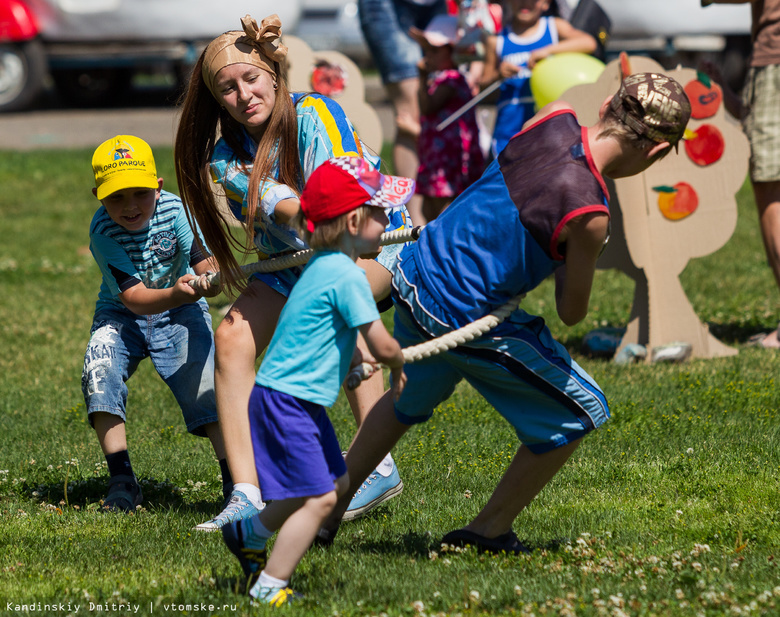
(673, 508)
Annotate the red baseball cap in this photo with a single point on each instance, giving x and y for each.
(344, 183)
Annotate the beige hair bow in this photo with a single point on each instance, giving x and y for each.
(260, 47)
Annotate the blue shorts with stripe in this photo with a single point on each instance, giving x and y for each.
(527, 376)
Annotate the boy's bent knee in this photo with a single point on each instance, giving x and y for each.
(322, 504)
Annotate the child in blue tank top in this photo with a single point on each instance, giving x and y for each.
(513, 53)
(540, 209)
(298, 458)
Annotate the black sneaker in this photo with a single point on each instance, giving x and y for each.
(325, 537)
(124, 494)
(505, 543)
(251, 558)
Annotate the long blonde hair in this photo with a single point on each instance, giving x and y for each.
(202, 120)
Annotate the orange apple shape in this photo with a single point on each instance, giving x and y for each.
(705, 98)
(677, 202)
(706, 145)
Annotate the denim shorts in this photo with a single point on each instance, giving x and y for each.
(385, 25)
(180, 343)
(527, 376)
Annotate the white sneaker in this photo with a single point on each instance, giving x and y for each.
(238, 507)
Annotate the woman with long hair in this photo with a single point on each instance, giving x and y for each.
(241, 129)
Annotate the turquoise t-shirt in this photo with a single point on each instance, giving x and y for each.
(311, 350)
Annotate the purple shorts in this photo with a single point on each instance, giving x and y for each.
(296, 450)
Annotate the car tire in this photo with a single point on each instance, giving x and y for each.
(22, 74)
(93, 87)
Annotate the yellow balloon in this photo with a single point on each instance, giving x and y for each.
(551, 77)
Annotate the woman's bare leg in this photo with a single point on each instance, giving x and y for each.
(240, 338)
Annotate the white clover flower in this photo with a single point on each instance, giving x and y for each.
(617, 601)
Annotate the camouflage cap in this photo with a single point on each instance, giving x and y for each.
(653, 105)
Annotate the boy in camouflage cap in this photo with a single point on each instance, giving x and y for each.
(540, 208)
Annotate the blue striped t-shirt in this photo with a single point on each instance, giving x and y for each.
(156, 256)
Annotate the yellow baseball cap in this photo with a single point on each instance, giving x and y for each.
(123, 162)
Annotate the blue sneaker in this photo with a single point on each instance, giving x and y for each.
(275, 596)
(246, 547)
(376, 489)
(238, 507)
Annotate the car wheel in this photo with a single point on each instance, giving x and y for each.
(22, 71)
(94, 87)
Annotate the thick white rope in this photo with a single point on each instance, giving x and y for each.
(461, 336)
(299, 258)
(448, 341)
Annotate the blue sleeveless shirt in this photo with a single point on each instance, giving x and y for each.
(500, 238)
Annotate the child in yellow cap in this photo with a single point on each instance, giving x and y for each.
(147, 254)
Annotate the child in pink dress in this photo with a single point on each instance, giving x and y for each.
(451, 159)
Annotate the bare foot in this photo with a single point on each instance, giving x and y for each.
(407, 124)
(771, 340)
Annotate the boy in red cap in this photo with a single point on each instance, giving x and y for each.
(298, 458)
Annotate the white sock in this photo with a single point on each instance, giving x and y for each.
(252, 493)
(269, 581)
(385, 468)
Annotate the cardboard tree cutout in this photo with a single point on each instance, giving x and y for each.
(333, 74)
(682, 207)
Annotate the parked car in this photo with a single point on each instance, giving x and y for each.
(681, 32)
(333, 25)
(92, 48)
